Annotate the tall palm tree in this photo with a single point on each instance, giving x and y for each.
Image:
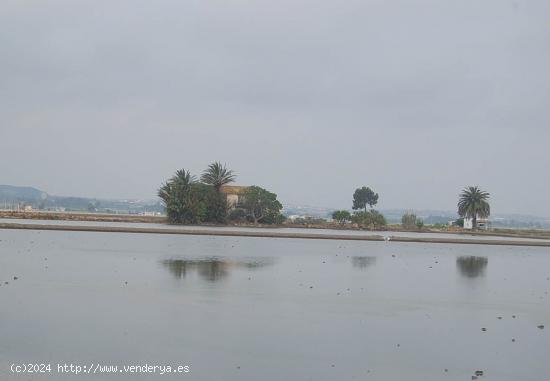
(473, 203)
(183, 178)
(178, 198)
(217, 175)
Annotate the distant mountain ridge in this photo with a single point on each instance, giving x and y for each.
(15, 193)
(15, 197)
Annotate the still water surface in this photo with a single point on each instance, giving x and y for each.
(273, 309)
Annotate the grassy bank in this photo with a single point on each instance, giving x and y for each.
(97, 217)
(267, 234)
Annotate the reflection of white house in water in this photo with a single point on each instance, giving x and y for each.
(482, 223)
(234, 194)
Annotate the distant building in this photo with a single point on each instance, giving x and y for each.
(146, 213)
(482, 223)
(27, 208)
(234, 194)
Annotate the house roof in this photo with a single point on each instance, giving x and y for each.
(233, 189)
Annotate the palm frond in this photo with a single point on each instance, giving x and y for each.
(217, 175)
(473, 202)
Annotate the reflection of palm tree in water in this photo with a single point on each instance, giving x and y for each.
(471, 267)
(212, 269)
(177, 268)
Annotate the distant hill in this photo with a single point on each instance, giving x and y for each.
(12, 194)
(14, 197)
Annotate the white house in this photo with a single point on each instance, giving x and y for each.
(482, 223)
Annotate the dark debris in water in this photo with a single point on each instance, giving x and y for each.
(540, 326)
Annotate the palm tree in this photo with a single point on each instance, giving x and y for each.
(472, 203)
(217, 175)
(178, 198)
(183, 178)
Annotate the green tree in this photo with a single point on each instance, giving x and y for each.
(342, 216)
(419, 223)
(182, 198)
(216, 206)
(364, 196)
(473, 203)
(237, 215)
(369, 219)
(260, 204)
(408, 220)
(217, 175)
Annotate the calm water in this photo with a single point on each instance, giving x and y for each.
(273, 309)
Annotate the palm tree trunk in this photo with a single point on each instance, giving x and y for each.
(474, 222)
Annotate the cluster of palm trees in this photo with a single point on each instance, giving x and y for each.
(190, 201)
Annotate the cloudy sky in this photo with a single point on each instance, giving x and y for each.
(310, 99)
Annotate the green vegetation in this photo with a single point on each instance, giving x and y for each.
(366, 219)
(364, 196)
(342, 216)
(308, 221)
(217, 175)
(261, 205)
(185, 199)
(189, 201)
(370, 219)
(410, 221)
(473, 203)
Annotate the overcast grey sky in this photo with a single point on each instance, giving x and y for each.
(310, 99)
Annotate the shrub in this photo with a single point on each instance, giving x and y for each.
(369, 219)
(408, 220)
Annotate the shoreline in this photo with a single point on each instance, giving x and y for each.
(229, 233)
(129, 218)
